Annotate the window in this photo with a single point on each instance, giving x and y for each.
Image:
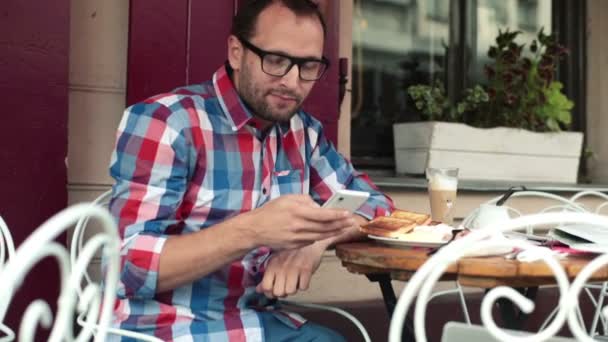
(394, 46)
(527, 14)
(493, 16)
(438, 10)
(494, 12)
(400, 43)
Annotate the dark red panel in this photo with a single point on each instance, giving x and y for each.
(210, 23)
(323, 101)
(157, 47)
(34, 50)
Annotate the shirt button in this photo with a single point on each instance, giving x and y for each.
(264, 191)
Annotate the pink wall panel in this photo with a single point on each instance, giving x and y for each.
(210, 23)
(34, 49)
(323, 101)
(157, 47)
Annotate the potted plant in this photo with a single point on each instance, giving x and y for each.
(512, 128)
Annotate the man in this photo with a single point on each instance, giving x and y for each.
(218, 187)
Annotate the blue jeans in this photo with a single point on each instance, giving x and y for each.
(276, 331)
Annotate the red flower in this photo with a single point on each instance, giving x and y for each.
(489, 71)
(491, 93)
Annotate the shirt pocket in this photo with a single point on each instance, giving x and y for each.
(285, 182)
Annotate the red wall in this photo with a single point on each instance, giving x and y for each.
(34, 39)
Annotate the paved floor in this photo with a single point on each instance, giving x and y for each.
(444, 309)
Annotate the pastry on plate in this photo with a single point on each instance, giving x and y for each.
(398, 225)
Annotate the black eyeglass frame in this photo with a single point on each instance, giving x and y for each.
(299, 61)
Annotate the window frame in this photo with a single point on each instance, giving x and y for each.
(569, 30)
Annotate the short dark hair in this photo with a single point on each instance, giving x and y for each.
(244, 22)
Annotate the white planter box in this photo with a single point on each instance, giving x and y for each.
(506, 154)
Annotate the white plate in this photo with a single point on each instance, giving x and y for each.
(405, 243)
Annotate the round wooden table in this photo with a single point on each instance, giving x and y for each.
(383, 263)
(485, 272)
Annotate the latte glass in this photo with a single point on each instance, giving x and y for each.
(442, 186)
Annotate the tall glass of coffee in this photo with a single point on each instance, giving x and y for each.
(442, 185)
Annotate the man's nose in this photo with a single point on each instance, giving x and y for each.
(292, 77)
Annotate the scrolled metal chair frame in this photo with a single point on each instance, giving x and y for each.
(96, 305)
(420, 286)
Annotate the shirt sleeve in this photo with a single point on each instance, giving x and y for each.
(330, 171)
(150, 168)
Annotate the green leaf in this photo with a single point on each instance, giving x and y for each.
(552, 125)
(533, 105)
(461, 108)
(564, 117)
(557, 107)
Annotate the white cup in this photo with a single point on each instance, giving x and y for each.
(488, 216)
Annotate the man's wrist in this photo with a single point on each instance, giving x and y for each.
(243, 231)
(360, 220)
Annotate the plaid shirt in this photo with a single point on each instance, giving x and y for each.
(189, 159)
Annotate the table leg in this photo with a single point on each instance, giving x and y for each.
(390, 301)
(388, 293)
(512, 317)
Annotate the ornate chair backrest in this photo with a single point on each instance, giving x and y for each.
(7, 252)
(80, 237)
(592, 193)
(557, 203)
(80, 232)
(7, 246)
(420, 286)
(96, 305)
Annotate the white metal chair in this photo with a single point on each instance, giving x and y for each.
(572, 204)
(7, 246)
(7, 252)
(77, 245)
(561, 204)
(93, 304)
(603, 288)
(80, 230)
(78, 238)
(420, 285)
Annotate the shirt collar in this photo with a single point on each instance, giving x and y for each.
(232, 105)
(229, 99)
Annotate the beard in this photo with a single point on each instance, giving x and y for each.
(256, 98)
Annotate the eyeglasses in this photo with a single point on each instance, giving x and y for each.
(278, 64)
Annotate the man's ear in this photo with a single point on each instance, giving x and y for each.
(235, 52)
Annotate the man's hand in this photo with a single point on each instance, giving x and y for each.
(350, 234)
(288, 222)
(289, 271)
(293, 221)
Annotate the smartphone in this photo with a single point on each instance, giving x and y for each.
(347, 199)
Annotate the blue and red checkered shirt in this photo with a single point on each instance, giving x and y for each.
(191, 158)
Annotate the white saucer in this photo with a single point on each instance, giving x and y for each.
(404, 243)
